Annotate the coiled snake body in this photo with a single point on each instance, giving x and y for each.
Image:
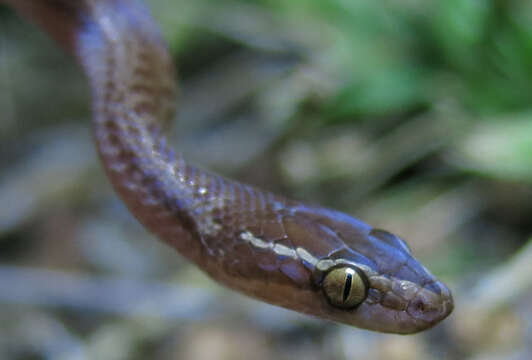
(306, 258)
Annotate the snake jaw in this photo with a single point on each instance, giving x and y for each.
(393, 304)
(391, 313)
(412, 307)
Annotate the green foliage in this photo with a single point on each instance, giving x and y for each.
(406, 57)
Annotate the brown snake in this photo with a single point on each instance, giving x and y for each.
(305, 258)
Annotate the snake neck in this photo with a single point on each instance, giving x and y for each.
(132, 79)
(133, 97)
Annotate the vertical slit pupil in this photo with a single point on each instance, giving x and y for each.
(348, 282)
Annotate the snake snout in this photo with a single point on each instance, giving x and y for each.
(431, 307)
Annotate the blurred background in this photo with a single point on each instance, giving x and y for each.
(413, 115)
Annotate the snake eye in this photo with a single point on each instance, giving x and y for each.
(345, 287)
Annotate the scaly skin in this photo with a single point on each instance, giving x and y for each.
(263, 245)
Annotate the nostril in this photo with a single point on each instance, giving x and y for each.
(419, 306)
(430, 307)
(422, 309)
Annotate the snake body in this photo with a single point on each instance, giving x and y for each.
(305, 258)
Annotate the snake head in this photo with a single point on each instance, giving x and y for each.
(366, 277)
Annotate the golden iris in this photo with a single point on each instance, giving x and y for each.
(344, 287)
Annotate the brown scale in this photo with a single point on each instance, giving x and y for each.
(266, 246)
